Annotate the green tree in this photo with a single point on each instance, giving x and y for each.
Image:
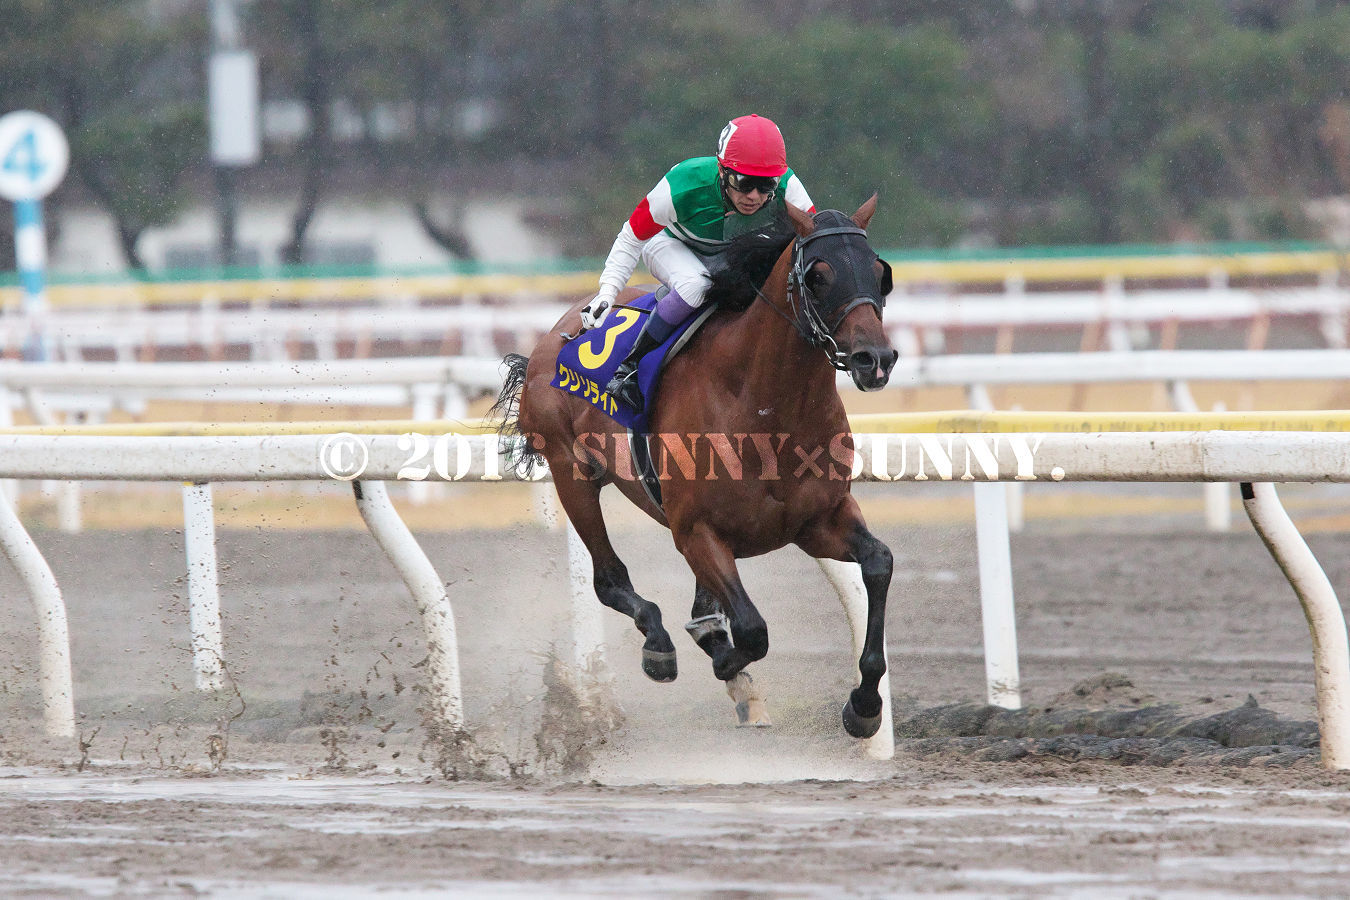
(425, 62)
(301, 55)
(1132, 120)
(125, 85)
(862, 109)
(1234, 148)
(403, 67)
(135, 163)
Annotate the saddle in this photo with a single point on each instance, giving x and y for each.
(586, 363)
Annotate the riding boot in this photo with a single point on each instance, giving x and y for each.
(624, 385)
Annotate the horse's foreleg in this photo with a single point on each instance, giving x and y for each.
(580, 499)
(848, 584)
(862, 713)
(720, 591)
(710, 629)
(848, 540)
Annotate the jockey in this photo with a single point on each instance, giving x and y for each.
(682, 226)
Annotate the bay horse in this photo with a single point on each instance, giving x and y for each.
(754, 371)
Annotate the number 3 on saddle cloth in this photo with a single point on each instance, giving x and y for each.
(587, 362)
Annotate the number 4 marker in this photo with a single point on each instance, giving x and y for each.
(23, 160)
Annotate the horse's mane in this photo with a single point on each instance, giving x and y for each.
(747, 262)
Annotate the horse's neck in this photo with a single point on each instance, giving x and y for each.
(782, 365)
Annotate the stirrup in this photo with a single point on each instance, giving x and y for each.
(624, 386)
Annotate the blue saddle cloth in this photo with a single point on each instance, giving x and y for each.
(587, 362)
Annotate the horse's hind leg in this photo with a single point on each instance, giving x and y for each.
(580, 499)
(710, 630)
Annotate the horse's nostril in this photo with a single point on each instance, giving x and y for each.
(863, 361)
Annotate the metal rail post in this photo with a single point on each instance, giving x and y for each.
(1002, 677)
(428, 592)
(588, 627)
(1003, 681)
(199, 544)
(58, 692)
(1326, 622)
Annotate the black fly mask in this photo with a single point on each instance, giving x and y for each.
(842, 245)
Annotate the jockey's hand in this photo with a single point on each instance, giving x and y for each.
(593, 313)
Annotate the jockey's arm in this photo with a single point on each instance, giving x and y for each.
(795, 193)
(622, 260)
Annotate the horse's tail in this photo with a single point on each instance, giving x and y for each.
(505, 413)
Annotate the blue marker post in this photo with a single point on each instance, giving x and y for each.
(33, 159)
(30, 254)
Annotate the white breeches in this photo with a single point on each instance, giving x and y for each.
(677, 266)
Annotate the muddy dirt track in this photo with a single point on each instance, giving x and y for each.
(1183, 655)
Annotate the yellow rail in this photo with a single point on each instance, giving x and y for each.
(257, 429)
(192, 293)
(971, 422)
(1031, 270)
(1100, 268)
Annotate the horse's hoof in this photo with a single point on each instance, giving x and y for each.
(752, 714)
(860, 726)
(751, 710)
(659, 666)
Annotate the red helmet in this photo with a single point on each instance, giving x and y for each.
(752, 145)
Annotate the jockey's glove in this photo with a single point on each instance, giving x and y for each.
(593, 313)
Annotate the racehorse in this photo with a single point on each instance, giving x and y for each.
(754, 387)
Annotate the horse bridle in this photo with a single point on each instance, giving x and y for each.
(807, 319)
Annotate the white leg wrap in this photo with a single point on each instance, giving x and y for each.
(751, 712)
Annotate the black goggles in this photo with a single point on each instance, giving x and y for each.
(744, 184)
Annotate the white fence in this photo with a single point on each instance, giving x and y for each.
(1129, 366)
(1252, 458)
(442, 387)
(132, 334)
(431, 386)
(921, 321)
(1115, 318)
(434, 386)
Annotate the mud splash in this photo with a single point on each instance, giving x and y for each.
(581, 714)
(1131, 729)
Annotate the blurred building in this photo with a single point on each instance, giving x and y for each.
(348, 230)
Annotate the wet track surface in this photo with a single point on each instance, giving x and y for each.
(330, 786)
(1017, 832)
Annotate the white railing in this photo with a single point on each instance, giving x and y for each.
(441, 387)
(225, 381)
(921, 322)
(130, 334)
(402, 380)
(1106, 367)
(1112, 317)
(1253, 458)
(430, 387)
(90, 392)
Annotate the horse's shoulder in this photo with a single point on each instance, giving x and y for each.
(704, 350)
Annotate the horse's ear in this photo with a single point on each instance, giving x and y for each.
(864, 213)
(801, 220)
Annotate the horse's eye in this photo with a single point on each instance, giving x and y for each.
(818, 277)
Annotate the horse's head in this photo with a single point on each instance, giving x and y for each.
(842, 286)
